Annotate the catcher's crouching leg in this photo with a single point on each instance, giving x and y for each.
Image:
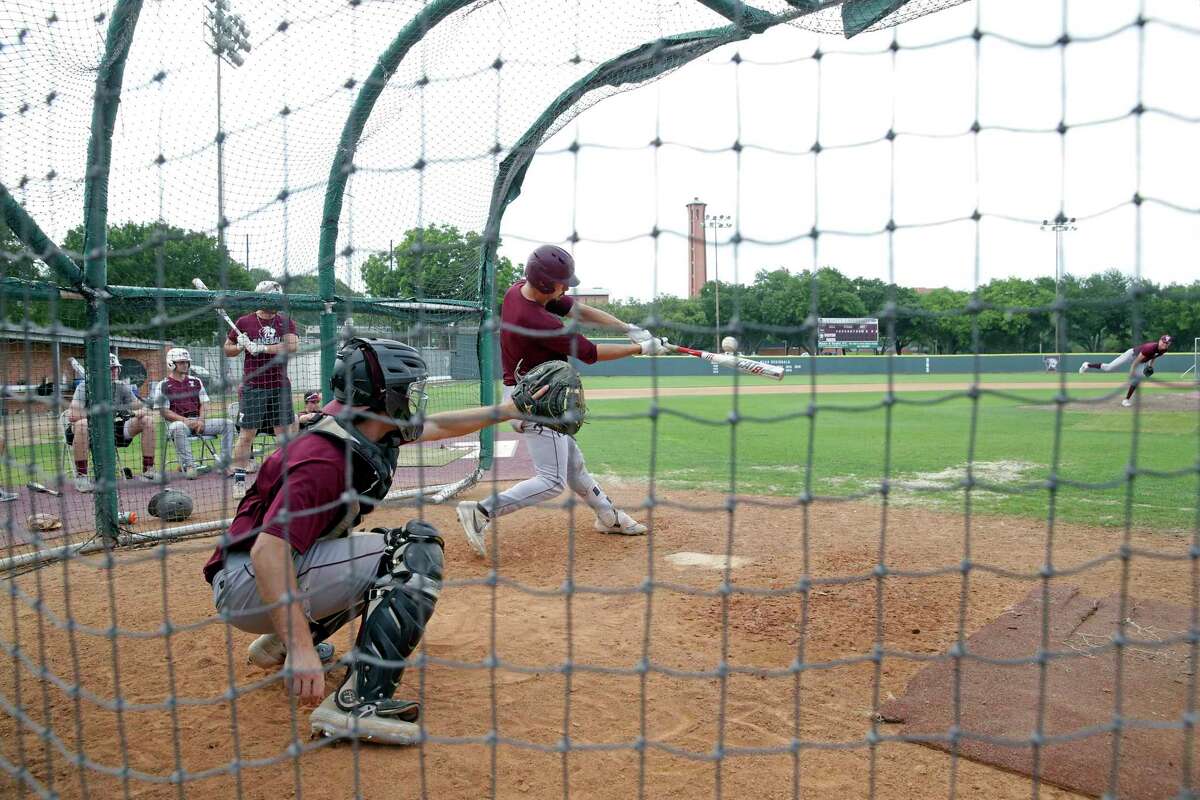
(362, 707)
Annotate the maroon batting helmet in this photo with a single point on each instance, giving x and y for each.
(549, 265)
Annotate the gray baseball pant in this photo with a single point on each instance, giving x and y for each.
(1122, 360)
(179, 433)
(558, 463)
(333, 576)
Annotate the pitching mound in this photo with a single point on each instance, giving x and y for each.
(1000, 701)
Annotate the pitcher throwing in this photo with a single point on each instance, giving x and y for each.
(1142, 357)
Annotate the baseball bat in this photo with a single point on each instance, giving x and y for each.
(199, 284)
(38, 487)
(746, 365)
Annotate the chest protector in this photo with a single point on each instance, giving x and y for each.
(372, 464)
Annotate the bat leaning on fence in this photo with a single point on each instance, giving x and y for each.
(746, 365)
(199, 284)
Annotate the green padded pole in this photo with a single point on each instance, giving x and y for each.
(30, 235)
(95, 259)
(343, 166)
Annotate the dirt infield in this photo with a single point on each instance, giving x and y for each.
(530, 704)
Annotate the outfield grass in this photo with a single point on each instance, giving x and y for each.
(928, 447)
(803, 378)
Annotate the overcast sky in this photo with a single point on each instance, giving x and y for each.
(615, 189)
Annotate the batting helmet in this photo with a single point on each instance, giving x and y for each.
(384, 375)
(549, 265)
(268, 287)
(171, 505)
(114, 362)
(177, 354)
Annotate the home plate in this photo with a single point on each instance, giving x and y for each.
(505, 448)
(707, 560)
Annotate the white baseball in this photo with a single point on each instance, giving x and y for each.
(729, 344)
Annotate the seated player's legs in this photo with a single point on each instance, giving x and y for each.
(140, 424)
(224, 428)
(77, 437)
(180, 435)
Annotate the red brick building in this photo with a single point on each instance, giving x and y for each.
(39, 356)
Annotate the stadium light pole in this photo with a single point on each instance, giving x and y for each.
(1060, 225)
(717, 222)
(228, 35)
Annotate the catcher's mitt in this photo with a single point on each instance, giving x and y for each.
(1148, 371)
(561, 407)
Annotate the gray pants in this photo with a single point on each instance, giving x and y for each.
(333, 576)
(1123, 360)
(180, 435)
(558, 463)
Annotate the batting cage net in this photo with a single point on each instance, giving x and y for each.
(956, 554)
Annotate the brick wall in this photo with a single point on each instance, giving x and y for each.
(33, 363)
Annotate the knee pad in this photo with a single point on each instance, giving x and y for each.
(411, 576)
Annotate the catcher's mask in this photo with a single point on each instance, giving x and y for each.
(384, 375)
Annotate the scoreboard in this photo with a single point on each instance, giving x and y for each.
(847, 332)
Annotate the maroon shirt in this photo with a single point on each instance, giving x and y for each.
(1150, 350)
(183, 397)
(264, 371)
(315, 479)
(529, 350)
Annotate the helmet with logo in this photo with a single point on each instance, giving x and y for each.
(548, 265)
(384, 375)
(177, 354)
(269, 287)
(114, 362)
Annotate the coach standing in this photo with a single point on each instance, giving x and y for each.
(267, 337)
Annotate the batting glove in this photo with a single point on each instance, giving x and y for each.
(638, 335)
(255, 349)
(655, 346)
(243, 341)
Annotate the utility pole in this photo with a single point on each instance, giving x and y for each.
(1059, 225)
(228, 35)
(717, 222)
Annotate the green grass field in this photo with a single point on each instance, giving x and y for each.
(928, 443)
(726, 379)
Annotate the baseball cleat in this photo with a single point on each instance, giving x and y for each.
(1126, 403)
(269, 652)
(625, 525)
(387, 721)
(1083, 368)
(474, 523)
(84, 485)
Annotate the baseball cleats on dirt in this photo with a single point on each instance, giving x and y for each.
(625, 525)
(269, 652)
(474, 525)
(386, 721)
(1127, 403)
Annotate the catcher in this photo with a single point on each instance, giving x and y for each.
(290, 569)
(1142, 357)
(531, 335)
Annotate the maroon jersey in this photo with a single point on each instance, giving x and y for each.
(517, 347)
(315, 479)
(264, 371)
(1150, 350)
(183, 397)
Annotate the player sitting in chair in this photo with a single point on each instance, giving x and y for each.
(181, 399)
(312, 413)
(130, 418)
(289, 568)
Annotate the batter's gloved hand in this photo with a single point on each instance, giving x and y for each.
(255, 349)
(561, 406)
(638, 335)
(243, 341)
(655, 346)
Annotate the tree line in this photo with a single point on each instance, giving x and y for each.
(1005, 315)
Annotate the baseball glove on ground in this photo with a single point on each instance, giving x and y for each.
(1148, 371)
(561, 407)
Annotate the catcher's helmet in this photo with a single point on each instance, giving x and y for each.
(549, 265)
(177, 354)
(384, 375)
(171, 505)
